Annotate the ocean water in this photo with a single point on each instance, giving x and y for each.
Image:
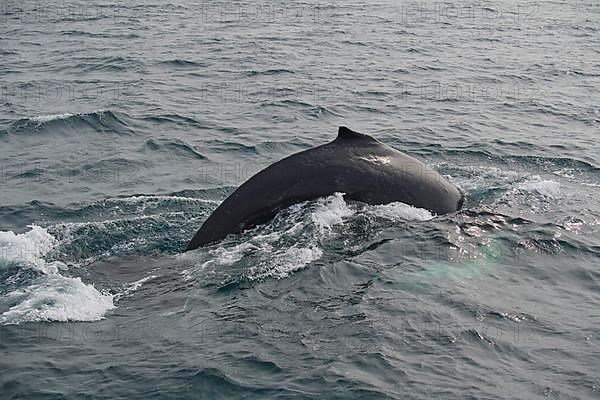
(122, 126)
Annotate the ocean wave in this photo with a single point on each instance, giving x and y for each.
(330, 211)
(76, 32)
(520, 162)
(174, 146)
(546, 188)
(105, 64)
(57, 298)
(401, 211)
(100, 121)
(181, 64)
(176, 119)
(41, 119)
(41, 267)
(155, 199)
(50, 296)
(298, 236)
(270, 71)
(27, 248)
(133, 287)
(87, 242)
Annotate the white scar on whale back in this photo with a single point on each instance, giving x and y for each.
(377, 159)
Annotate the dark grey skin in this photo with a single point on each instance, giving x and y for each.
(358, 165)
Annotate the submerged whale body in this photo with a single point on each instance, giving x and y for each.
(355, 164)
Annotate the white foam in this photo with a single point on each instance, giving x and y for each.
(229, 256)
(132, 287)
(68, 227)
(57, 298)
(52, 296)
(568, 173)
(401, 211)
(27, 248)
(545, 188)
(221, 256)
(330, 211)
(590, 184)
(265, 254)
(47, 118)
(296, 258)
(157, 198)
(294, 239)
(478, 177)
(282, 264)
(327, 213)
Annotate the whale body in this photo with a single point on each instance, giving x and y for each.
(355, 164)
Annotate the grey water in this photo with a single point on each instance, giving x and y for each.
(123, 125)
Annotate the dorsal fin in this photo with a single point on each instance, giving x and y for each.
(345, 133)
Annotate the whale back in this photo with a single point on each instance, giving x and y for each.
(354, 163)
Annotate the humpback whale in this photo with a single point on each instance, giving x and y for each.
(355, 164)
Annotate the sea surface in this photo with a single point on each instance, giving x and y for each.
(124, 124)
